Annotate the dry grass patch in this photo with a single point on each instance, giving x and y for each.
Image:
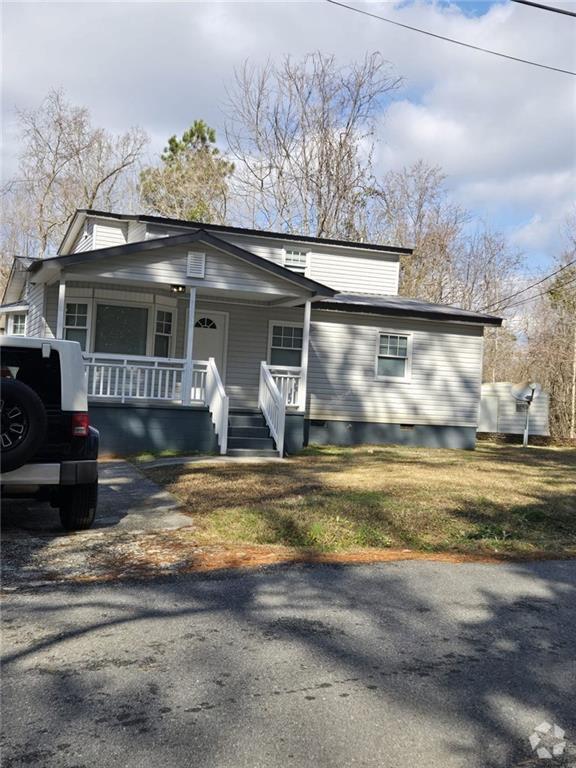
(496, 499)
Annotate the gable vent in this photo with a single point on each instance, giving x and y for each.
(195, 264)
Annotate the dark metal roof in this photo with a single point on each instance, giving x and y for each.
(403, 307)
(241, 231)
(87, 257)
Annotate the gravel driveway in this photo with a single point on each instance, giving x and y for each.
(408, 664)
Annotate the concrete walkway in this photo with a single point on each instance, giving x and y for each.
(128, 502)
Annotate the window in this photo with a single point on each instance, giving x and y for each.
(121, 330)
(163, 333)
(18, 325)
(76, 323)
(393, 358)
(286, 345)
(297, 261)
(521, 407)
(205, 322)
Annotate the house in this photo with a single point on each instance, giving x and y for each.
(206, 337)
(501, 413)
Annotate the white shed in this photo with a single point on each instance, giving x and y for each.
(500, 412)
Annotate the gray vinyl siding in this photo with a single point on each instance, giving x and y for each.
(247, 346)
(341, 268)
(35, 320)
(51, 310)
(446, 372)
(222, 272)
(498, 412)
(109, 233)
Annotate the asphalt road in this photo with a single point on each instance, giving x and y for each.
(406, 665)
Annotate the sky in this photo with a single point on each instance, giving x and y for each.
(503, 132)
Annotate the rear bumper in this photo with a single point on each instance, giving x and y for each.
(63, 473)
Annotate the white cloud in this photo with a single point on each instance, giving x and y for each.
(503, 131)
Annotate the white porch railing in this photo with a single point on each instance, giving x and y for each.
(271, 403)
(288, 379)
(142, 378)
(217, 402)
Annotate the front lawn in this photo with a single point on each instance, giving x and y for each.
(501, 499)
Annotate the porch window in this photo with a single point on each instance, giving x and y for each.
(393, 357)
(76, 323)
(121, 330)
(286, 345)
(163, 334)
(297, 261)
(18, 325)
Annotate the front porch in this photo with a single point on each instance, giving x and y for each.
(216, 327)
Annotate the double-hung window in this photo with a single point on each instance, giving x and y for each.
(393, 359)
(163, 333)
(297, 261)
(286, 345)
(17, 325)
(76, 323)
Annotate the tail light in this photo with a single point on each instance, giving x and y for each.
(80, 424)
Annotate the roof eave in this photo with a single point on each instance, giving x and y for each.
(363, 309)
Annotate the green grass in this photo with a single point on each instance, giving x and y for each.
(495, 499)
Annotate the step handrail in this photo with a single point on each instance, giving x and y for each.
(218, 404)
(271, 403)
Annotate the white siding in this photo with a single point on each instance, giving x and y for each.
(109, 233)
(498, 412)
(85, 240)
(446, 369)
(35, 321)
(351, 273)
(136, 231)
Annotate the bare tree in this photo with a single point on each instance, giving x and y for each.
(302, 137)
(66, 163)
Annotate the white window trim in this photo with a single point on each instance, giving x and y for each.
(174, 312)
(286, 324)
(150, 328)
(88, 302)
(308, 254)
(11, 323)
(407, 378)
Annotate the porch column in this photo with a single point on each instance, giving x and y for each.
(61, 309)
(305, 348)
(187, 376)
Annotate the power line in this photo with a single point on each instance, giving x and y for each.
(528, 287)
(543, 293)
(449, 39)
(546, 7)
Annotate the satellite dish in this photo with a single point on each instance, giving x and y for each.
(526, 391)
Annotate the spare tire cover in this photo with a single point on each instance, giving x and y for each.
(23, 424)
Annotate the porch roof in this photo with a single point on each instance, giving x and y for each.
(403, 307)
(57, 263)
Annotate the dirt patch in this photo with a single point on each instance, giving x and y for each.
(100, 557)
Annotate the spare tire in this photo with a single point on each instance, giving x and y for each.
(23, 424)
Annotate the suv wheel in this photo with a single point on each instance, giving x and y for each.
(23, 424)
(78, 506)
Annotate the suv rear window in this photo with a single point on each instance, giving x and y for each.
(42, 374)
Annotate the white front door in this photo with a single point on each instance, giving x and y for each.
(210, 333)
